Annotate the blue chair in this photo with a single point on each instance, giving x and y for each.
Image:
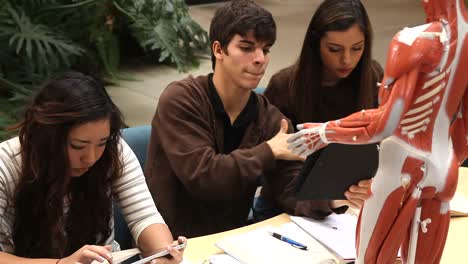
(137, 138)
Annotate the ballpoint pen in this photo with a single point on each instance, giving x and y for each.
(330, 226)
(289, 241)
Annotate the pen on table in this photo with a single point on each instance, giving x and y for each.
(332, 227)
(289, 241)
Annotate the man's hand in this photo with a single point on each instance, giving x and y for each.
(279, 144)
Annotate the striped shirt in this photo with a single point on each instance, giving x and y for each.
(130, 190)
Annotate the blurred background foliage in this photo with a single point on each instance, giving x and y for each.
(41, 37)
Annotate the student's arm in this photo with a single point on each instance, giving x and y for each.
(184, 125)
(141, 215)
(157, 237)
(280, 183)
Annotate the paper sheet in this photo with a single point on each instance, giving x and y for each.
(336, 232)
(459, 205)
(223, 259)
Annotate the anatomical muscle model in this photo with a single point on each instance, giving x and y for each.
(422, 124)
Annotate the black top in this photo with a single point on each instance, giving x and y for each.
(233, 133)
(334, 102)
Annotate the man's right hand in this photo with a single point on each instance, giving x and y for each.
(279, 144)
(88, 254)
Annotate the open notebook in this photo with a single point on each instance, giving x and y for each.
(259, 247)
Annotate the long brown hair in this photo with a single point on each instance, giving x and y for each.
(331, 15)
(41, 228)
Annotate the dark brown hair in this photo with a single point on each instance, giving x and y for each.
(240, 17)
(41, 228)
(331, 15)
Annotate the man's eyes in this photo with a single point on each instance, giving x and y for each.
(244, 48)
(250, 49)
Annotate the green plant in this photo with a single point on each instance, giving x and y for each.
(41, 37)
(165, 26)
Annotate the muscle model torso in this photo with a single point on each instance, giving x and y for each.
(422, 124)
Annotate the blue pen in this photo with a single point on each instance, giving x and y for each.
(289, 241)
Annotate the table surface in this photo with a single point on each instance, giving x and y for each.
(199, 249)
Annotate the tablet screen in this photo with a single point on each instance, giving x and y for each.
(329, 173)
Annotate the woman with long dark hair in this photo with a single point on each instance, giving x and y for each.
(58, 179)
(334, 75)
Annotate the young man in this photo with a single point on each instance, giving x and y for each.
(213, 137)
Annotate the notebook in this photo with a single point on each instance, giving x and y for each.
(327, 174)
(259, 247)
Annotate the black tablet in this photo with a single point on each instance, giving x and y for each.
(328, 173)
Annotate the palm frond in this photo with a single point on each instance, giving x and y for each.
(45, 49)
(67, 6)
(13, 88)
(166, 29)
(41, 37)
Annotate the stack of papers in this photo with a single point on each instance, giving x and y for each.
(259, 247)
(335, 232)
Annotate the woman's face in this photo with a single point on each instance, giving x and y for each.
(341, 51)
(85, 145)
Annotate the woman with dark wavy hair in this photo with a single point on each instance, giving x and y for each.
(59, 176)
(334, 75)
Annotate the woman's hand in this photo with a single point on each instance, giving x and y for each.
(357, 194)
(88, 254)
(176, 254)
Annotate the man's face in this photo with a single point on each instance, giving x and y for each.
(244, 61)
